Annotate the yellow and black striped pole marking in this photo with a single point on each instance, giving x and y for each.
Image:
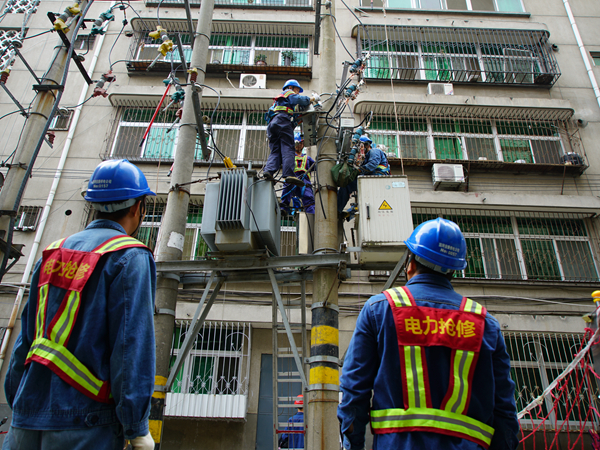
(157, 409)
(324, 347)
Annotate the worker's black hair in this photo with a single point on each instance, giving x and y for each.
(421, 269)
(118, 215)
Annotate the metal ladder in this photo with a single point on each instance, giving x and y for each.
(290, 345)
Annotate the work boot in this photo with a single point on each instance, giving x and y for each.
(295, 181)
(268, 176)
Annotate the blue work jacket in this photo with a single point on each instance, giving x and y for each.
(113, 337)
(375, 163)
(295, 440)
(371, 373)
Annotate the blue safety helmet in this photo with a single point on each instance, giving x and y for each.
(298, 138)
(115, 184)
(366, 139)
(293, 83)
(439, 244)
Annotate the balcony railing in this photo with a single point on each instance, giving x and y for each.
(458, 55)
(251, 4)
(260, 48)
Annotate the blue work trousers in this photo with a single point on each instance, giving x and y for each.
(344, 194)
(305, 194)
(281, 142)
(108, 437)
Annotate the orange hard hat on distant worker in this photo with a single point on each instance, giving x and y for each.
(299, 400)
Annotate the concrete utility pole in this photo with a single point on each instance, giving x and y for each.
(322, 429)
(170, 247)
(35, 127)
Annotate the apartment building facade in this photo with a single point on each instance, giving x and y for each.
(487, 106)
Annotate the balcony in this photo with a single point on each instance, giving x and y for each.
(234, 48)
(458, 55)
(246, 4)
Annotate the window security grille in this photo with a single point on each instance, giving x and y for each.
(216, 371)
(27, 218)
(289, 237)
(513, 245)
(241, 135)
(61, 122)
(85, 42)
(457, 5)
(536, 360)
(246, 4)
(6, 55)
(448, 138)
(458, 55)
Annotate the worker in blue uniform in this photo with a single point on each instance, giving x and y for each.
(374, 163)
(301, 197)
(282, 118)
(81, 375)
(294, 440)
(427, 367)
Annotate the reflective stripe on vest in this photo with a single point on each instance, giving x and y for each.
(69, 269)
(283, 108)
(300, 166)
(418, 327)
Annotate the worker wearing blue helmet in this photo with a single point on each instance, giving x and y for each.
(426, 367)
(302, 198)
(82, 369)
(280, 131)
(374, 163)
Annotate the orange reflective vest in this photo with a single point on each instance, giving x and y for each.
(69, 269)
(419, 327)
(284, 108)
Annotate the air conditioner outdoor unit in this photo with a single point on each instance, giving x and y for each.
(440, 89)
(253, 81)
(447, 176)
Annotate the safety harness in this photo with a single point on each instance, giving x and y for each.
(419, 327)
(69, 269)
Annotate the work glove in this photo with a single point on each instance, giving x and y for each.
(315, 98)
(143, 443)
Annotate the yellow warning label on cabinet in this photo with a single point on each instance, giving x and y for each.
(385, 206)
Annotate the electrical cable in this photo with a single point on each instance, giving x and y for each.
(82, 103)
(359, 21)
(39, 34)
(341, 40)
(158, 12)
(115, 43)
(41, 140)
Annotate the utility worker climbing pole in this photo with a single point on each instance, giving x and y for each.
(429, 364)
(81, 375)
(303, 165)
(374, 163)
(282, 119)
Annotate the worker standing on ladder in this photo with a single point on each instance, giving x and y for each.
(282, 119)
(374, 163)
(429, 365)
(82, 370)
(303, 165)
(294, 440)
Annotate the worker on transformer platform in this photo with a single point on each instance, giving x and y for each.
(282, 118)
(81, 375)
(303, 165)
(427, 367)
(374, 163)
(295, 423)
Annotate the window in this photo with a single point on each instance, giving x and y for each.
(459, 5)
(234, 48)
(61, 120)
(289, 237)
(523, 246)
(6, 56)
(458, 55)
(27, 218)
(536, 360)
(596, 58)
(276, 4)
(150, 226)
(216, 369)
(241, 135)
(84, 42)
(447, 138)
